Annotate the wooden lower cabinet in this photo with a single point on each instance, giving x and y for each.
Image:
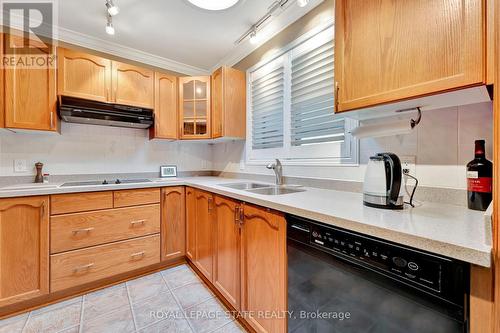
(204, 233)
(248, 258)
(227, 250)
(264, 269)
(74, 268)
(191, 224)
(173, 223)
(24, 248)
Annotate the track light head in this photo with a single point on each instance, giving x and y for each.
(110, 29)
(302, 3)
(112, 8)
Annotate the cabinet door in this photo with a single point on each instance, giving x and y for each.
(387, 51)
(204, 234)
(24, 248)
(166, 113)
(217, 103)
(191, 224)
(173, 223)
(30, 91)
(132, 85)
(264, 267)
(83, 75)
(194, 106)
(227, 250)
(2, 73)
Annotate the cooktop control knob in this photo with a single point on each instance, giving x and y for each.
(400, 262)
(105, 182)
(118, 181)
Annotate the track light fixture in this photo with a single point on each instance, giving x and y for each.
(112, 8)
(110, 29)
(302, 3)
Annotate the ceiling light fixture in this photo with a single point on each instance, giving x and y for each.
(110, 29)
(112, 8)
(214, 4)
(302, 3)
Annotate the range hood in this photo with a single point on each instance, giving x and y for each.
(83, 111)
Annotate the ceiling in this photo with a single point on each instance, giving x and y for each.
(167, 29)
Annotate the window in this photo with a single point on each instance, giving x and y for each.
(291, 106)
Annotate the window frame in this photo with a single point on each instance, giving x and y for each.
(302, 154)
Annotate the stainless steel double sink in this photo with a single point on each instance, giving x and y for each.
(265, 189)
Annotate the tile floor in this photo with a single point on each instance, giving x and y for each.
(174, 300)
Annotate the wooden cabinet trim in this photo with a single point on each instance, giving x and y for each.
(80, 202)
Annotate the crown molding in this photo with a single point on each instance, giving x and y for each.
(275, 25)
(101, 45)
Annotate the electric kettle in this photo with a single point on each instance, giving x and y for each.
(382, 185)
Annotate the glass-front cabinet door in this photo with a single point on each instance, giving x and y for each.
(194, 99)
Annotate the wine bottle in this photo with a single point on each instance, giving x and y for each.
(479, 179)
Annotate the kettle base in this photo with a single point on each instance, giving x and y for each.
(383, 202)
(388, 206)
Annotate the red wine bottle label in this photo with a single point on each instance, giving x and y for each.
(478, 184)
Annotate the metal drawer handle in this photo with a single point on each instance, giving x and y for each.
(138, 254)
(86, 230)
(83, 268)
(134, 223)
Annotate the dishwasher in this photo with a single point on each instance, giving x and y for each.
(342, 281)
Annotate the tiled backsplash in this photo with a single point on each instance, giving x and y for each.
(443, 143)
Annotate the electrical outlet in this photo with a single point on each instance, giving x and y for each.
(408, 165)
(20, 166)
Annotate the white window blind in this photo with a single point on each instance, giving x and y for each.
(267, 109)
(291, 104)
(312, 109)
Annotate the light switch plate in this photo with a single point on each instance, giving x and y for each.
(242, 165)
(20, 166)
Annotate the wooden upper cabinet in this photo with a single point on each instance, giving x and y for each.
(388, 51)
(204, 233)
(166, 114)
(228, 103)
(194, 107)
(173, 223)
(227, 249)
(30, 90)
(24, 248)
(191, 224)
(132, 85)
(264, 268)
(83, 75)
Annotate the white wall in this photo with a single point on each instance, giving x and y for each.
(87, 149)
(443, 143)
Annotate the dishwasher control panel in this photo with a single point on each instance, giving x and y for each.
(414, 267)
(427, 272)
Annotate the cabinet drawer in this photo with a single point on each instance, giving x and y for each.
(75, 231)
(78, 267)
(80, 202)
(136, 197)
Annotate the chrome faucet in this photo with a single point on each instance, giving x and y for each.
(278, 171)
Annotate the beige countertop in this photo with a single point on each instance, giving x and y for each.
(448, 230)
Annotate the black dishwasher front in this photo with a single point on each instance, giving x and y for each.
(341, 281)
